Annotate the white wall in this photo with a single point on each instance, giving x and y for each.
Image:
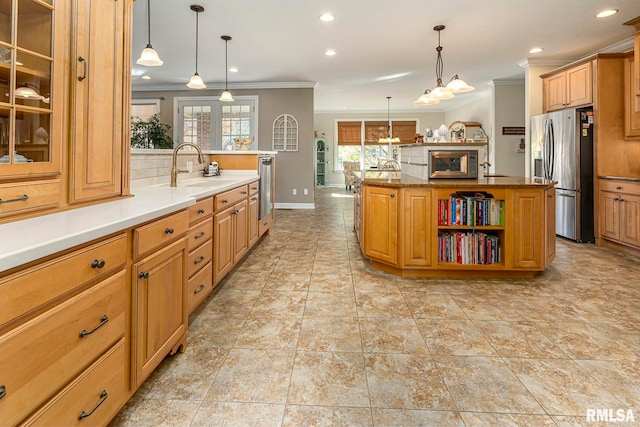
(508, 111)
(325, 123)
(479, 110)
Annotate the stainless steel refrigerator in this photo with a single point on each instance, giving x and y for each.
(562, 151)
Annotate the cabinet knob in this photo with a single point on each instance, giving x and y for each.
(200, 211)
(392, 196)
(224, 201)
(97, 263)
(3, 391)
(243, 192)
(143, 275)
(618, 188)
(168, 230)
(200, 235)
(621, 199)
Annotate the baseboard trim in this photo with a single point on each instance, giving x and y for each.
(295, 206)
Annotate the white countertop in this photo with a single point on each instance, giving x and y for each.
(30, 239)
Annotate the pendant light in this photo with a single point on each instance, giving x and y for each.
(226, 95)
(149, 56)
(195, 82)
(388, 139)
(441, 92)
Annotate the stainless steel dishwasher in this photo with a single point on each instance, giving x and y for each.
(266, 193)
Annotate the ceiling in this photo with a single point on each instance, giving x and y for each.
(384, 48)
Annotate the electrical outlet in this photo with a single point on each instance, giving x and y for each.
(306, 191)
(190, 166)
(295, 192)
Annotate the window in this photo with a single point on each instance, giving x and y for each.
(213, 124)
(143, 109)
(285, 133)
(358, 140)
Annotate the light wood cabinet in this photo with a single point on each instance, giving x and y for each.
(632, 100)
(571, 87)
(550, 224)
(416, 226)
(357, 211)
(528, 216)
(635, 88)
(253, 219)
(200, 259)
(380, 218)
(231, 243)
(97, 93)
(619, 208)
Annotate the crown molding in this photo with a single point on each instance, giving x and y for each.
(506, 82)
(221, 86)
(541, 62)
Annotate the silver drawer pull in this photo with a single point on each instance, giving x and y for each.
(199, 260)
(243, 192)
(224, 201)
(97, 263)
(168, 230)
(200, 211)
(200, 235)
(22, 198)
(200, 289)
(143, 275)
(3, 391)
(104, 319)
(84, 68)
(103, 397)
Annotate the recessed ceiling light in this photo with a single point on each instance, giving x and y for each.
(327, 17)
(606, 13)
(233, 70)
(536, 50)
(329, 52)
(145, 77)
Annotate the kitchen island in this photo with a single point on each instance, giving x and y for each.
(455, 228)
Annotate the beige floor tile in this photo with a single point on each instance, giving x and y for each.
(330, 304)
(215, 329)
(406, 381)
(157, 412)
(331, 282)
(379, 304)
(269, 332)
(518, 339)
(238, 414)
(372, 283)
(233, 301)
(561, 386)
(485, 384)
(391, 335)
(491, 307)
(582, 421)
(321, 333)
(264, 376)
(620, 378)
(288, 282)
(280, 303)
(416, 417)
(326, 416)
(479, 419)
(454, 338)
(328, 379)
(433, 307)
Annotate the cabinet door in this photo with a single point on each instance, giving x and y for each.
(609, 215)
(579, 85)
(632, 101)
(160, 314)
(630, 219)
(381, 224)
(222, 244)
(97, 110)
(240, 230)
(555, 92)
(253, 220)
(550, 225)
(416, 227)
(528, 244)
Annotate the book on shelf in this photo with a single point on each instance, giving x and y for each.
(470, 210)
(468, 247)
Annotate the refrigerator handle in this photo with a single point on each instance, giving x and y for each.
(545, 151)
(552, 151)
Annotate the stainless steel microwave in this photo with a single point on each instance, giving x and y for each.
(453, 164)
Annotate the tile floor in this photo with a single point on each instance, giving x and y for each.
(305, 333)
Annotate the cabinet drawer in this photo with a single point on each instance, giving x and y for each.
(199, 234)
(199, 257)
(254, 187)
(102, 384)
(159, 232)
(18, 197)
(199, 286)
(228, 198)
(202, 209)
(25, 291)
(52, 349)
(628, 187)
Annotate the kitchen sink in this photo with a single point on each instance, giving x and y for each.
(199, 182)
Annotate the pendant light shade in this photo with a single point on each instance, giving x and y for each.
(28, 92)
(441, 92)
(149, 56)
(226, 95)
(388, 139)
(195, 82)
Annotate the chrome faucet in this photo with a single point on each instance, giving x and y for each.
(174, 169)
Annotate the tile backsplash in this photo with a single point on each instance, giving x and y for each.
(157, 163)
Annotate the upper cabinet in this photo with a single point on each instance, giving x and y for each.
(567, 88)
(97, 110)
(636, 47)
(632, 101)
(64, 103)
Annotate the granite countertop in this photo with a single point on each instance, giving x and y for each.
(398, 179)
(30, 239)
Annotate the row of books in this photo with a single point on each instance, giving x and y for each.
(468, 247)
(470, 210)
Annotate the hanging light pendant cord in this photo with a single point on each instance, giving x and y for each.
(226, 65)
(197, 13)
(388, 117)
(439, 64)
(148, 23)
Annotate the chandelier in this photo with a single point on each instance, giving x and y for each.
(441, 92)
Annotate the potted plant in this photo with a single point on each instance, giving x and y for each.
(150, 134)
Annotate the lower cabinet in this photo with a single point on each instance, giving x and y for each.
(230, 230)
(253, 219)
(528, 226)
(619, 212)
(550, 224)
(416, 224)
(380, 218)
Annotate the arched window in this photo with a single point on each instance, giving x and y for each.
(285, 133)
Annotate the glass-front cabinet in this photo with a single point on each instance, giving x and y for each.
(321, 162)
(30, 122)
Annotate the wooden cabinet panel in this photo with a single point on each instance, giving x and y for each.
(200, 233)
(241, 231)
(609, 215)
(381, 223)
(198, 258)
(632, 100)
(555, 92)
(229, 198)
(199, 286)
(23, 292)
(222, 244)
(202, 209)
(417, 244)
(579, 85)
(527, 219)
(22, 197)
(253, 220)
(98, 87)
(50, 350)
(159, 232)
(160, 315)
(550, 224)
(101, 387)
(630, 220)
(619, 211)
